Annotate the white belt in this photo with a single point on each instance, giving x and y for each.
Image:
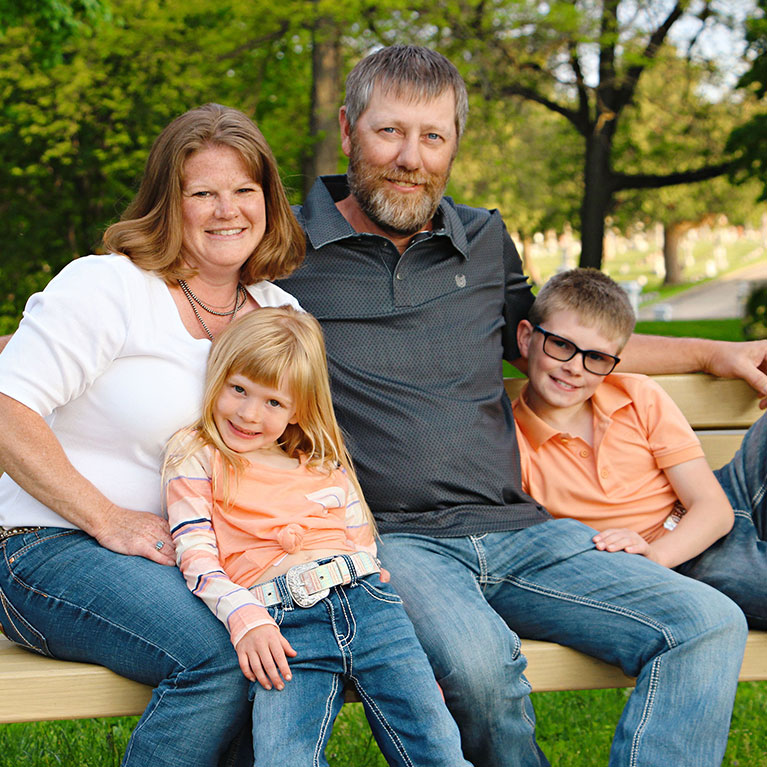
(309, 582)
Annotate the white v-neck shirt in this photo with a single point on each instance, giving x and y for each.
(103, 356)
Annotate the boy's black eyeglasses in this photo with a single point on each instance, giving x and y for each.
(561, 349)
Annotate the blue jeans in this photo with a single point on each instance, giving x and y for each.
(358, 634)
(737, 563)
(683, 640)
(66, 596)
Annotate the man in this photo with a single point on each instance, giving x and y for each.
(419, 299)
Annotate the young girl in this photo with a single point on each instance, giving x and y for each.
(272, 533)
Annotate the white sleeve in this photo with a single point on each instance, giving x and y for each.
(70, 333)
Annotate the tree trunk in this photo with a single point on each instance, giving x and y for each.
(597, 199)
(528, 262)
(672, 236)
(322, 156)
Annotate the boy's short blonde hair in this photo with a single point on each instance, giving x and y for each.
(596, 298)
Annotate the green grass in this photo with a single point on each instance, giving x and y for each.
(575, 729)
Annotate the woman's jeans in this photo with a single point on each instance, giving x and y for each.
(360, 635)
(470, 598)
(64, 595)
(737, 563)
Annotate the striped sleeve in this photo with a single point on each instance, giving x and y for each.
(358, 530)
(189, 499)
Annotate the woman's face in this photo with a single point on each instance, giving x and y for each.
(224, 212)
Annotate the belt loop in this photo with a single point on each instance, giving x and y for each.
(285, 595)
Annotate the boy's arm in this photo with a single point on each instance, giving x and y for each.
(709, 516)
(655, 355)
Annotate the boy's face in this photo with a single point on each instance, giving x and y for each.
(555, 384)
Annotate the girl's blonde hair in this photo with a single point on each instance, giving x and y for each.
(277, 347)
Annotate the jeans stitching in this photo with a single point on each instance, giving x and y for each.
(759, 495)
(652, 689)
(351, 631)
(12, 619)
(390, 731)
(647, 621)
(481, 558)
(325, 722)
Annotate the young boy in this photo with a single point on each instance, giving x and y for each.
(613, 451)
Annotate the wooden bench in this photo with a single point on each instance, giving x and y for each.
(34, 688)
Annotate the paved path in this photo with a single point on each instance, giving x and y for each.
(718, 299)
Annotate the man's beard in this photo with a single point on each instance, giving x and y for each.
(395, 212)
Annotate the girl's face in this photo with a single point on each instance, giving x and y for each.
(251, 417)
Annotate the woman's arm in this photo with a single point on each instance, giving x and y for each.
(34, 458)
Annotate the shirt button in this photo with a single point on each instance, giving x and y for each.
(399, 276)
(565, 441)
(584, 453)
(605, 473)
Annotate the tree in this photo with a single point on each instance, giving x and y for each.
(684, 124)
(583, 60)
(749, 141)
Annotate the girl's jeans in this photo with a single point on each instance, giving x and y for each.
(358, 634)
(737, 563)
(64, 595)
(470, 598)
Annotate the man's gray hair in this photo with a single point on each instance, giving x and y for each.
(411, 70)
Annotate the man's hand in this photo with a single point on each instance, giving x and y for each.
(262, 655)
(740, 359)
(137, 533)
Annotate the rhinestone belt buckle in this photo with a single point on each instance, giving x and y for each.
(297, 588)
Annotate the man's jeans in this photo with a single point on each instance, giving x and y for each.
(358, 634)
(737, 563)
(468, 596)
(64, 595)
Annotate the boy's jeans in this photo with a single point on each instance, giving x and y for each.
(359, 633)
(468, 596)
(737, 563)
(62, 594)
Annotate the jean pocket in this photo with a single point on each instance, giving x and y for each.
(18, 630)
(381, 591)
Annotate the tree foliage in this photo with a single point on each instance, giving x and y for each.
(749, 141)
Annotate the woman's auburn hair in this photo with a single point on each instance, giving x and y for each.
(150, 231)
(277, 347)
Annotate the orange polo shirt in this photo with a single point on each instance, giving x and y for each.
(619, 481)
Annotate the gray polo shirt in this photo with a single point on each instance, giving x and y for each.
(415, 347)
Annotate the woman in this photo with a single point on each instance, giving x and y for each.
(107, 363)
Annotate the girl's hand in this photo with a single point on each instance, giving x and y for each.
(384, 575)
(136, 533)
(622, 539)
(262, 654)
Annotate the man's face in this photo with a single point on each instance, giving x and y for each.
(400, 153)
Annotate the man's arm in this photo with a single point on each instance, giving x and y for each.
(3, 341)
(653, 355)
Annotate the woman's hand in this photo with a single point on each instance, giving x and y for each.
(137, 533)
(262, 654)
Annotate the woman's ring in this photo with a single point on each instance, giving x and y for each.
(159, 545)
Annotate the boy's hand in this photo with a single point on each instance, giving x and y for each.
(262, 655)
(622, 539)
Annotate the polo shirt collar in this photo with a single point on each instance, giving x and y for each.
(606, 401)
(324, 223)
